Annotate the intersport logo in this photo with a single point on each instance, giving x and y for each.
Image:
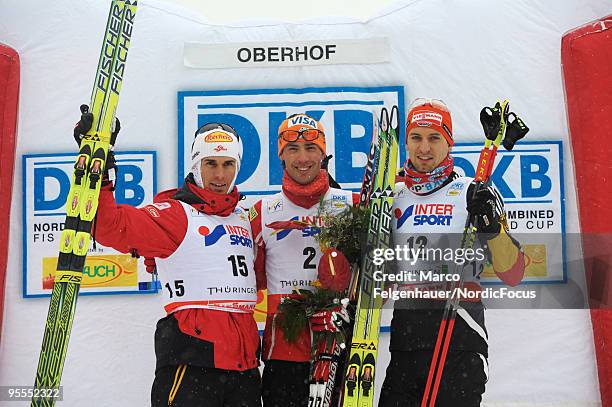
(434, 214)
(238, 235)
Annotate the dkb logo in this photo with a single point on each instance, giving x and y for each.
(347, 115)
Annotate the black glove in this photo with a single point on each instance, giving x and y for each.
(84, 125)
(490, 118)
(515, 130)
(483, 206)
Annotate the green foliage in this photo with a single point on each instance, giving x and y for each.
(344, 231)
(295, 310)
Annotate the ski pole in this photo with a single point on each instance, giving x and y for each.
(494, 133)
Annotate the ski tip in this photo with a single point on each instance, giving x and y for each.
(384, 119)
(369, 359)
(395, 118)
(375, 123)
(355, 359)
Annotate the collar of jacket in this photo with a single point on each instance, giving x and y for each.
(205, 201)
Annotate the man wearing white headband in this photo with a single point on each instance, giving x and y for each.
(207, 345)
(216, 146)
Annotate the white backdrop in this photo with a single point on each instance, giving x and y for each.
(467, 53)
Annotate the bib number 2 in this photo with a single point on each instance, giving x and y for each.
(310, 254)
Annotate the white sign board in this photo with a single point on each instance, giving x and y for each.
(46, 182)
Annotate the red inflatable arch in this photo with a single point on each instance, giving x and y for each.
(9, 96)
(586, 53)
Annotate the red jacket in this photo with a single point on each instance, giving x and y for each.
(225, 340)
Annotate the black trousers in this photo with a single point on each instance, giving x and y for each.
(193, 386)
(285, 384)
(462, 384)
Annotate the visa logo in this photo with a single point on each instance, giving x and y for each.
(300, 119)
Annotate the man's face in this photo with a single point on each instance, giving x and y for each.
(218, 173)
(427, 148)
(302, 161)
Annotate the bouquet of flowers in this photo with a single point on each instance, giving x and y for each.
(340, 240)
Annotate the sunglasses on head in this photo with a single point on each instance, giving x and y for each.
(307, 134)
(214, 126)
(437, 103)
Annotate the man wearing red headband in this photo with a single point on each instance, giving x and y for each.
(431, 206)
(288, 255)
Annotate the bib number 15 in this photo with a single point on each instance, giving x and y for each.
(178, 289)
(239, 265)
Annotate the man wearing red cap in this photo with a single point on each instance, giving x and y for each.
(431, 206)
(288, 255)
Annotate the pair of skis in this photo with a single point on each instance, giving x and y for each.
(377, 194)
(82, 201)
(327, 351)
(498, 130)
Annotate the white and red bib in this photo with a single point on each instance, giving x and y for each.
(292, 255)
(443, 211)
(213, 266)
(434, 221)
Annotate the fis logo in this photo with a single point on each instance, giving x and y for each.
(241, 213)
(455, 189)
(425, 214)
(238, 235)
(275, 206)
